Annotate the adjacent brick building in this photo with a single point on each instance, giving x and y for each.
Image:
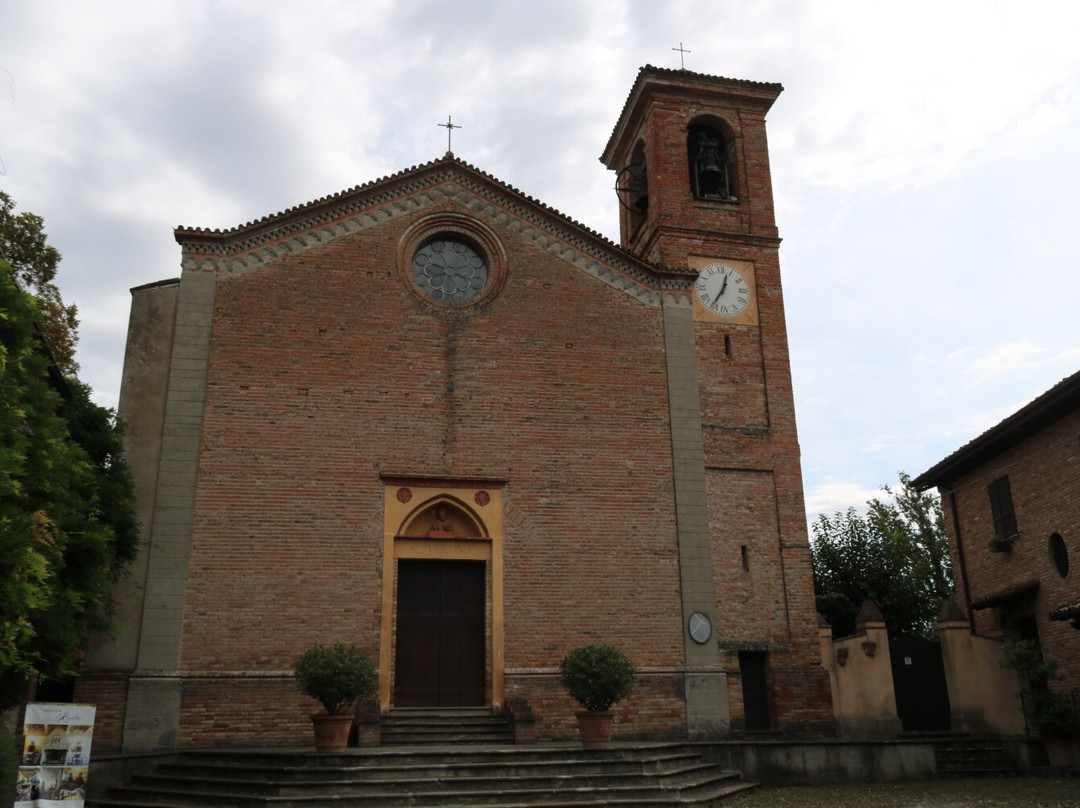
(435, 417)
(1012, 510)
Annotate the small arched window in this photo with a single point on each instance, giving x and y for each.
(636, 183)
(709, 153)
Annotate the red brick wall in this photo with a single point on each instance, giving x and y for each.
(750, 602)
(326, 372)
(732, 387)
(238, 711)
(1044, 479)
(107, 692)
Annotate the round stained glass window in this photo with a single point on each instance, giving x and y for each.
(449, 270)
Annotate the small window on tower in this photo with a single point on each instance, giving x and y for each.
(709, 154)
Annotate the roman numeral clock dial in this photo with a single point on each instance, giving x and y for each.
(723, 290)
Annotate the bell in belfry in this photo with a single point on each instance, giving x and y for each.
(710, 172)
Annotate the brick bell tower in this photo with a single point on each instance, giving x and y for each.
(693, 163)
(692, 166)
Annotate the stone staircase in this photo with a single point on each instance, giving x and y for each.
(637, 776)
(416, 727)
(974, 757)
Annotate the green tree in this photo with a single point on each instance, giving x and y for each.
(24, 245)
(67, 524)
(897, 556)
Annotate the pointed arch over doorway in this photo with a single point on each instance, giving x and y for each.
(442, 538)
(443, 516)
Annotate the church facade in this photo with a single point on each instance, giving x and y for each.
(432, 416)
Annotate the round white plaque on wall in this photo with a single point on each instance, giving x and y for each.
(700, 628)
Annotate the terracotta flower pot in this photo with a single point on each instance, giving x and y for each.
(595, 728)
(331, 731)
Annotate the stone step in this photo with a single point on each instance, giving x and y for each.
(489, 791)
(510, 798)
(444, 739)
(448, 727)
(630, 776)
(550, 763)
(459, 716)
(304, 759)
(695, 774)
(974, 758)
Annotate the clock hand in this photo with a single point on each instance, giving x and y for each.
(716, 300)
(720, 294)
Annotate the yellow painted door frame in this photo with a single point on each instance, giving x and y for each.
(473, 531)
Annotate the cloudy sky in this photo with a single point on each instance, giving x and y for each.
(925, 165)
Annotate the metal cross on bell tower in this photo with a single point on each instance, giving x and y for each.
(682, 55)
(450, 126)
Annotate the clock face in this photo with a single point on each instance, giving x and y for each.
(722, 289)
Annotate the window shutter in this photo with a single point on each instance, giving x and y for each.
(1001, 507)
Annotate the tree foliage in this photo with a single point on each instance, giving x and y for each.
(897, 556)
(24, 245)
(67, 523)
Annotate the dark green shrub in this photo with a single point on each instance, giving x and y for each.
(1048, 714)
(337, 676)
(597, 676)
(1051, 715)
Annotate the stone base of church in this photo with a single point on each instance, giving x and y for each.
(108, 692)
(215, 711)
(246, 710)
(800, 703)
(655, 710)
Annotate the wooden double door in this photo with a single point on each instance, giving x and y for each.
(440, 634)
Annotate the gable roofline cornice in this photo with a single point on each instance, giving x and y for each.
(652, 79)
(320, 212)
(1060, 400)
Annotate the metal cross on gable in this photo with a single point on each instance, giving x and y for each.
(450, 126)
(682, 55)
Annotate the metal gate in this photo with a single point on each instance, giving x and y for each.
(922, 695)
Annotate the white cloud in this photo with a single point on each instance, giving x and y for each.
(834, 495)
(923, 157)
(1020, 356)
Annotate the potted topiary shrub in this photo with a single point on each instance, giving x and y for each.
(596, 676)
(336, 676)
